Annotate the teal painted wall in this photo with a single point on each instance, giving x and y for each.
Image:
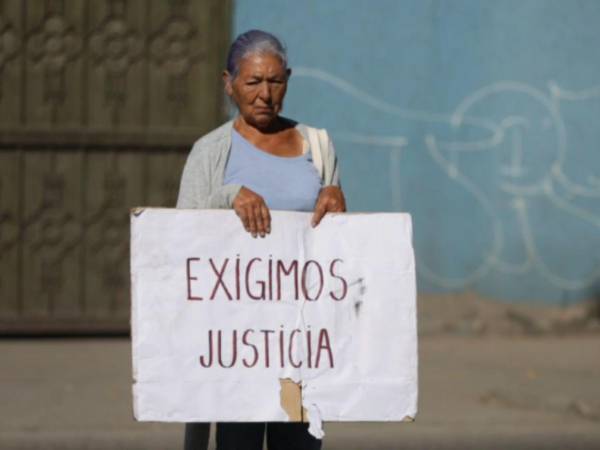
(480, 118)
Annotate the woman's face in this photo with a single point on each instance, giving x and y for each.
(259, 88)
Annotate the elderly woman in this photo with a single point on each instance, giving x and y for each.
(258, 162)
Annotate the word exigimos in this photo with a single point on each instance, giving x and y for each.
(259, 279)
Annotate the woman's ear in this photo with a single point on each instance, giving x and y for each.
(288, 73)
(227, 79)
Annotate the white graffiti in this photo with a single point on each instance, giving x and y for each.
(523, 182)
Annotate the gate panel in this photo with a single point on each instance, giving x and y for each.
(10, 201)
(12, 63)
(100, 101)
(51, 227)
(116, 63)
(52, 48)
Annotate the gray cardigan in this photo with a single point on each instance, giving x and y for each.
(201, 184)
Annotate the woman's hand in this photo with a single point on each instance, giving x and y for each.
(331, 199)
(252, 210)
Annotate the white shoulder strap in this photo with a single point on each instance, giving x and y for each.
(318, 141)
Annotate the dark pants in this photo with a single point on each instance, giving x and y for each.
(280, 436)
(250, 436)
(196, 436)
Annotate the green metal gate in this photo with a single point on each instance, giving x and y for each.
(100, 101)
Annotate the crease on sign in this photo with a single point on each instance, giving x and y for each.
(297, 386)
(293, 381)
(296, 383)
(137, 211)
(315, 422)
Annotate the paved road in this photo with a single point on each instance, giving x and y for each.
(476, 393)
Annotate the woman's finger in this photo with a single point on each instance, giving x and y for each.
(252, 221)
(266, 216)
(320, 211)
(331, 199)
(260, 225)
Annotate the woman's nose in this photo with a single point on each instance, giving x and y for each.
(265, 92)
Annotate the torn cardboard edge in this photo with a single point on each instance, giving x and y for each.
(291, 400)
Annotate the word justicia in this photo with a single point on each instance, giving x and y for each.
(264, 279)
(268, 348)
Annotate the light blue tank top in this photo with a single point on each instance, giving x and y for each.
(291, 184)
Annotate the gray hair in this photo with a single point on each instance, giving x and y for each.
(254, 42)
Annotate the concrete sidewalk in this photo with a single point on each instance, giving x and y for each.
(475, 393)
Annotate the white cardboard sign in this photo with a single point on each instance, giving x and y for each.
(219, 317)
